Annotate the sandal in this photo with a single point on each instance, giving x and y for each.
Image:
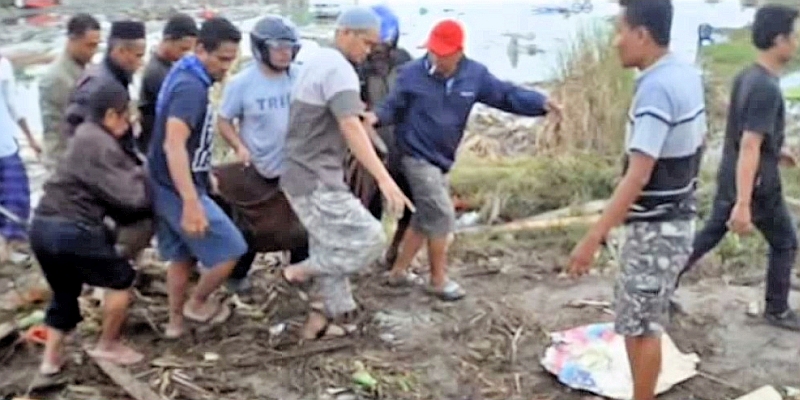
(451, 291)
(332, 327)
(407, 279)
(220, 314)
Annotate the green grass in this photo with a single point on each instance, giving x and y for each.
(725, 60)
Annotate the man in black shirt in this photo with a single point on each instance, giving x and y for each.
(178, 38)
(749, 190)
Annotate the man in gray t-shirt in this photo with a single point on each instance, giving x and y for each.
(324, 118)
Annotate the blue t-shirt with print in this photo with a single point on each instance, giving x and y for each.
(261, 105)
(187, 102)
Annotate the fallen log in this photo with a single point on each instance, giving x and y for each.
(135, 388)
(530, 224)
(584, 214)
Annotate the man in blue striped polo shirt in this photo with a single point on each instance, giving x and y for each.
(655, 199)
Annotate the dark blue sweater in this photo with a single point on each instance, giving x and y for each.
(430, 112)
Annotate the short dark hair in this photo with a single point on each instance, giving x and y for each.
(770, 22)
(79, 24)
(217, 30)
(111, 97)
(653, 15)
(180, 26)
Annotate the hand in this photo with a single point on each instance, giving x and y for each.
(193, 218)
(37, 149)
(787, 158)
(395, 199)
(741, 220)
(243, 155)
(214, 183)
(582, 257)
(553, 109)
(370, 118)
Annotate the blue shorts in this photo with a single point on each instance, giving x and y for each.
(222, 242)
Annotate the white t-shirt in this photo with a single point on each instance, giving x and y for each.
(8, 113)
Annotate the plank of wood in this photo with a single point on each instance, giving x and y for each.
(532, 224)
(135, 388)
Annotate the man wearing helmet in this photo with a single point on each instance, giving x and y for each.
(258, 99)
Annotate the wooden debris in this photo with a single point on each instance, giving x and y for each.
(532, 224)
(764, 393)
(589, 303)
(7, 330)
(300, 352)
(137, 389)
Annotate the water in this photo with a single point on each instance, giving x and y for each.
(490, 29)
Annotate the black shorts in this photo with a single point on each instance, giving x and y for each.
(72, 254)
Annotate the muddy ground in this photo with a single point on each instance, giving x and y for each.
(418, 348)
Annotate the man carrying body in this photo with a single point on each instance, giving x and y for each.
(178, 38)
(258, 98)
(429, 107)
(378, 75)
(126, 48)
(324, 121)
(55, 86)
(190, 226)
(749, 189)
(655, 198)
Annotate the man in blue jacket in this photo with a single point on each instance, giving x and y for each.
(429, 107)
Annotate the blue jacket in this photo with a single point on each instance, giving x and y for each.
(430, 112)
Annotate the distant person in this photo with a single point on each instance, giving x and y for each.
(323, 122)
(258, 98)
(94, 180)
(177, 39)
(55, 86)
(378, 74)
(15, 193)
(749, 189)
(191, 227)
(655, 200)
(124, 56)
(429, 107)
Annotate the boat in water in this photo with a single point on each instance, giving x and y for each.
(328, 9)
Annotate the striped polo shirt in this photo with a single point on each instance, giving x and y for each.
(667, 121)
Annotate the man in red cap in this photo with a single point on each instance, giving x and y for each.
(429, 106)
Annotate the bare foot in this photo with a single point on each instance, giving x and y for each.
(173, 330)
(315, 325)
(117, 353)
(50, 367)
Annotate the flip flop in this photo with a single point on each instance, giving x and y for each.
(332, 328)
(130, 357)
(451, 291)
(408, 279)
(219, 315)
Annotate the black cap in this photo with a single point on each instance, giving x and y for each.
(179, 26)
(127, 30)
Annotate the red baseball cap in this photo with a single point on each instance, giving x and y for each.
(446, 38)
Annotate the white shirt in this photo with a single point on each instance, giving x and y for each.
(8, 112)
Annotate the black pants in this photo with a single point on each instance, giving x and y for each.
(245, 262)
(71, 254)
(772, 218)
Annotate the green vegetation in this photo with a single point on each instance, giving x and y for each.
(726, 59)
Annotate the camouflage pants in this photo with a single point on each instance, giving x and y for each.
(54, 146)
(652, 256)
(343, 238)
